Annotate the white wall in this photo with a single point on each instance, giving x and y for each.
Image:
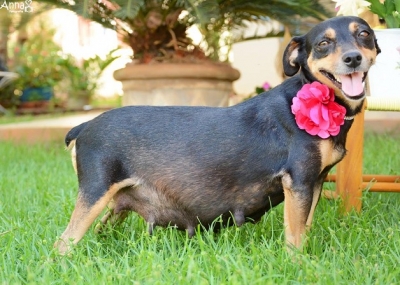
(256, 61)
(84, 39)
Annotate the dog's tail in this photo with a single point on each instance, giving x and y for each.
(72, 135)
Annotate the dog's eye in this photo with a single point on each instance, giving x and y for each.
(363, 34)
(323, 43)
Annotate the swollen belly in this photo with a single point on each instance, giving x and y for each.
(186, 209)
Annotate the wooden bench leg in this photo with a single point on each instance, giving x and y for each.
(349, 170)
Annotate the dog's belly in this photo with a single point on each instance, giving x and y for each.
(186, 210)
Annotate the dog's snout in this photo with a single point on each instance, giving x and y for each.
(352, 58)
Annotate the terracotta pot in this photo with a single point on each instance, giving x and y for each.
(164, 84)
(42, 104)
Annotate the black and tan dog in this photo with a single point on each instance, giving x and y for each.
(183, 166)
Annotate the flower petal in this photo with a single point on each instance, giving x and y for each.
(316, 112)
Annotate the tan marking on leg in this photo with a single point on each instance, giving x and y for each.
(72, 148)
(76, 227)
(294, 215)
(83, 216)
(316, 195)
(293, 220)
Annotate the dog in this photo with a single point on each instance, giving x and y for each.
(188, 166)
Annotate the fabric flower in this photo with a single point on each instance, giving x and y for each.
(316, 112)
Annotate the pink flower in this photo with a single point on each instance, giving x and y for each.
(316, 112)
(266, 86)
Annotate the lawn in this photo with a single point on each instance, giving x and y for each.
(38, 190)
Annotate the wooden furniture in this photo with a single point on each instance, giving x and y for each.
(350, 181)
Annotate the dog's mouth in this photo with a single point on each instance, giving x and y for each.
(351, 84)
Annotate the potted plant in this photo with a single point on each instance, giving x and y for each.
(383, 77)
(83, 77)
(389, 11)
(37, 62)
(167, 64)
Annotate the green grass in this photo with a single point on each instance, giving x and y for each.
(37, 195)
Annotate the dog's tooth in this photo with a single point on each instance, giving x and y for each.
(238, 215)
(336, 78)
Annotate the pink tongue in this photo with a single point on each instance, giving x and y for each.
(352, 84)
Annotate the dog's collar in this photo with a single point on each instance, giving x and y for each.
(349, 118)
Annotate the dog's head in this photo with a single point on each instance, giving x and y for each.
(338, 53)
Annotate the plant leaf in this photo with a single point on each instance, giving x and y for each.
(128, 9)
(397, 5)
(378, 8)
(202, 11)
(389, 6)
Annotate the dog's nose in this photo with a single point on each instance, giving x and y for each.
(352, 58)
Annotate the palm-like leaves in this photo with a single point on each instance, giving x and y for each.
(388, 10)
(84, 77)
(128, 9)
(156, 29)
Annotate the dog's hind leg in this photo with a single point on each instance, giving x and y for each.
(85, 212)
(110, 217)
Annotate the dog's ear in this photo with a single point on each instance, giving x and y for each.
(291, 56)
(378, 49)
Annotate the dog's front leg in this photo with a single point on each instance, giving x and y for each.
(297, 208)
